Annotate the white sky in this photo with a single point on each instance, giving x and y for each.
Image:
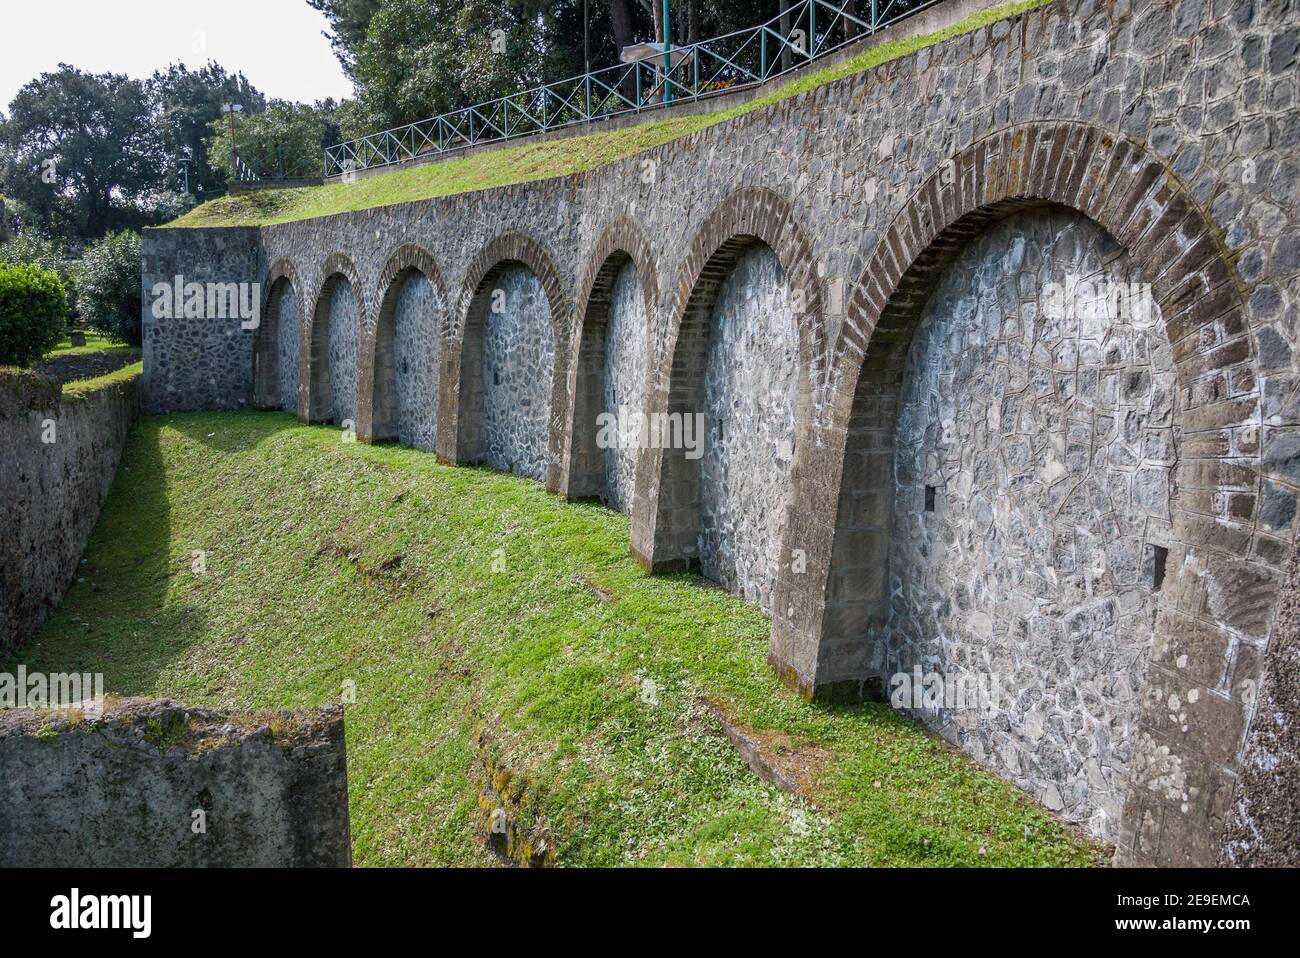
(277, 44)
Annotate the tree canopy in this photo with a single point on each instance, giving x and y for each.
(412, 59)
(86, 154)
(79, 151)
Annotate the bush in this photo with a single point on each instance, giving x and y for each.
(47, 254)
(33, 313)
(108, 287)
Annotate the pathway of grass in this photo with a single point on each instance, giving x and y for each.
(536, 161)
(95, 342)
(459, 598)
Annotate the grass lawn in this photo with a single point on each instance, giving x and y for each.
(535, 161)
(95, 342)
(460, 600)
(84, 366)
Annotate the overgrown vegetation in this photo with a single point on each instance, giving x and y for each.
(47, 254)
(284, 141)
(535, 161)
(33, 313)
(108, 284)
(245, 561)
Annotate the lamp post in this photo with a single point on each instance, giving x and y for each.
(668, 46)
(232, 109)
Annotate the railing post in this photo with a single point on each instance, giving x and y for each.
(668, 57)
(391, 145)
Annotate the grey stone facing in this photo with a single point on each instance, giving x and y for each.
(751, 381)
(288, 333)
(196, 363)
(59, 457)
(518, 359)
(344, 341)
(120, 790)
(418, 358)
(626, 362)
(1033, 461)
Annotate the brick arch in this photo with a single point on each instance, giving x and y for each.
(314, 374)
(266, 354)
(623, 241)
(823, 617)
(460, 389)
(377, 405)
(665, 526)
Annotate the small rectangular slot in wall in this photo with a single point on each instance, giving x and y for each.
(496, 377)
(929, 498)
(1156, 558)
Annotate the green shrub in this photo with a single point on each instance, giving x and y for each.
(47, 254)
(33, 313)
(108, 287)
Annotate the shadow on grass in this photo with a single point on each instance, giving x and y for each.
(126, 614)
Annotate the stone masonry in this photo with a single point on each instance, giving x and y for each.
(59, 452)
(1033, 456)
(1121, 545)
(155, 783)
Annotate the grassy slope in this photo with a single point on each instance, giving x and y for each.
(537, 160)
(328, 561)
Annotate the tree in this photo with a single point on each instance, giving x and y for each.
(47, 254)
(79, 151)
(108, 286)
(413, 59)
(349, 22)
(285, 140)
(424, 57)
(186, 102)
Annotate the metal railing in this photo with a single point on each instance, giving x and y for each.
(810, 29)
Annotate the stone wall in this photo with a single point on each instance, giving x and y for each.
(518, 360)
(153, 783)
(343, 345)
(60, 452)
(286, 350)
(625, 363)
(1033, 455)
(417, 357)
(197, 362)
(1262, 827)
(1170, 126)
(750, 385)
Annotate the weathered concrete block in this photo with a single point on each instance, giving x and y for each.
(154, 783)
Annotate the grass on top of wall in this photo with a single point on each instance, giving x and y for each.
(535, 161)
(81, 387)
(459, 599)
